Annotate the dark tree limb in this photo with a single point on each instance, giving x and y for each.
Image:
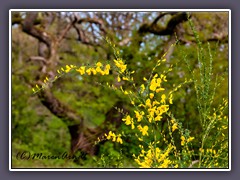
(162, 31)
(161, 15)
(29, 28)
(85, 139)
(59, 109)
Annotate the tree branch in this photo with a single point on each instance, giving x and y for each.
(59, 109)
(95, 21)
(28, 27)
(162, 15)
(168, 30)
(38, 58)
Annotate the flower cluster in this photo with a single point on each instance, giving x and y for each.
(149, 111)
(120, 65)
(47, 81)
(174, 125)
(153, 157)
(98, 69)
(184, 140)
(114, 137)
(155, 84)
(93, 71)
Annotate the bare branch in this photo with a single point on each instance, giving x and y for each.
(67, 28)
(124, 42)
(38, 58)
(95, 21)
(193, 162)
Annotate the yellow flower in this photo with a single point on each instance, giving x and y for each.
(153, 85)
(93, 71)
(105, 72)
(125, 79)
(174, 127)
(88, 71)
(125, 92)
(68, 68)
(127, 120)
(158, 81)
(118, 79)
(81, 70)
(155, 103)
(163, 77)
(158, 118)
(112, 136)
(132, 125)
(143, 130)
(190, 139)
(119, 139)
(201, 150)
(214, 152)
(108, 66)
(151, 95)
(159, 89)
(165, 163)
(163, 99)
(148, 103)
(99, 64)
(138, 115)
(224, 127)
(109, 135)
(142, 88)
(162, 109)
(119, 63)
(183, 140)
(170, 99)
(98, 69)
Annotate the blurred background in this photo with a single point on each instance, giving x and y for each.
(75, 110)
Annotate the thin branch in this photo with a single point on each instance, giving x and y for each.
(193, 162)
(37, 58)
(67, 28)
(94, 21)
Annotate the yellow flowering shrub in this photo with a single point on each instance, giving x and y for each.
(151, 102)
